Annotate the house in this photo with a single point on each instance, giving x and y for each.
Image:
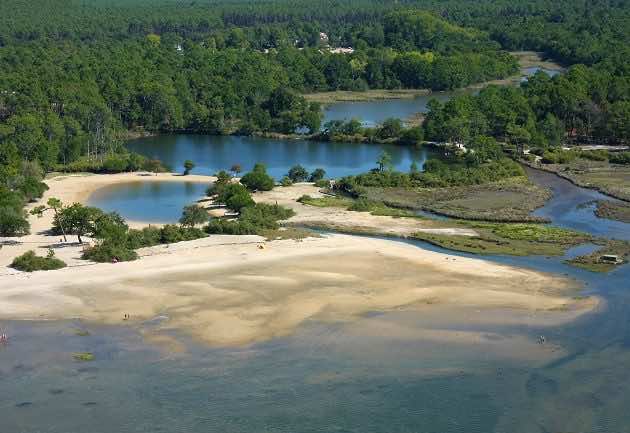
(610, 259)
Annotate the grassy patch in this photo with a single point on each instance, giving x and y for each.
(368, 95)
(358, 205)
(593, 262)
(326, 201)
(509, 200)
(83, 356)
(288, 233)
(613, 211)
(611, 179)
(509, 239)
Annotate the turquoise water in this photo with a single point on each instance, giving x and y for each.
(153, 202)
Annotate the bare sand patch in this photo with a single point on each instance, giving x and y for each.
(231, 294)
(342, 219)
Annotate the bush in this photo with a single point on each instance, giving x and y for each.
(147, 237)
(29, 262)
(223, 179)
(252, 220)
(620, 157)
(363, 205)
(188, 166)
(13, 221)
(109, 251)
(297, 173)
(258, 179)
(322, 183)
(286, 181)
(172, 233)
(193, 215)
(317, 175)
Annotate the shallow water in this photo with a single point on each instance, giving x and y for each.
(152, 202)
(336, 376)
(573, 207)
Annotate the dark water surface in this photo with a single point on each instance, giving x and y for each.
(213, 153)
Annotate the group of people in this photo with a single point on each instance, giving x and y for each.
(3, 338)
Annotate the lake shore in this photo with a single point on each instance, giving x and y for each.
(526, 60)
(225, 290)
(75, 188)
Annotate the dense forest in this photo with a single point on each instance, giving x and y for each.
(76, 76)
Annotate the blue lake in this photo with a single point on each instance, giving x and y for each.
(213, 153)
(153, 202)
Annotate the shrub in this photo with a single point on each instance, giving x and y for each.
(223, 179)
(286, 181)
(193, 215)
(317, 175)
(297, 173)
(30, 262)
(322, 183)
(252, 220)
(172, 233)
(109, 251)
(363, 205)
(258, 179)
(188, 166)
(13, 221)
(147, 237)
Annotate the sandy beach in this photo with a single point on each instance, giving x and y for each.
(343, 219)
(224, 290)
(75, 188)
(227, 290)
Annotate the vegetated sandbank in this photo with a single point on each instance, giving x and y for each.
(76, 188)
(227, 290)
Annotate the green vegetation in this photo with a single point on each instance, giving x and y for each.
(326, 201)
(193, 215)
(294, 233)
(508, 200)
(594, 263)
(509, 239)
(390, 131)
(591, 169)
(258, 179)
(83, 356)
(297, 173)
(77, 79)
(188, 166)
(255, 219)
(30, 262)
(317, 175)
(612, 210)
